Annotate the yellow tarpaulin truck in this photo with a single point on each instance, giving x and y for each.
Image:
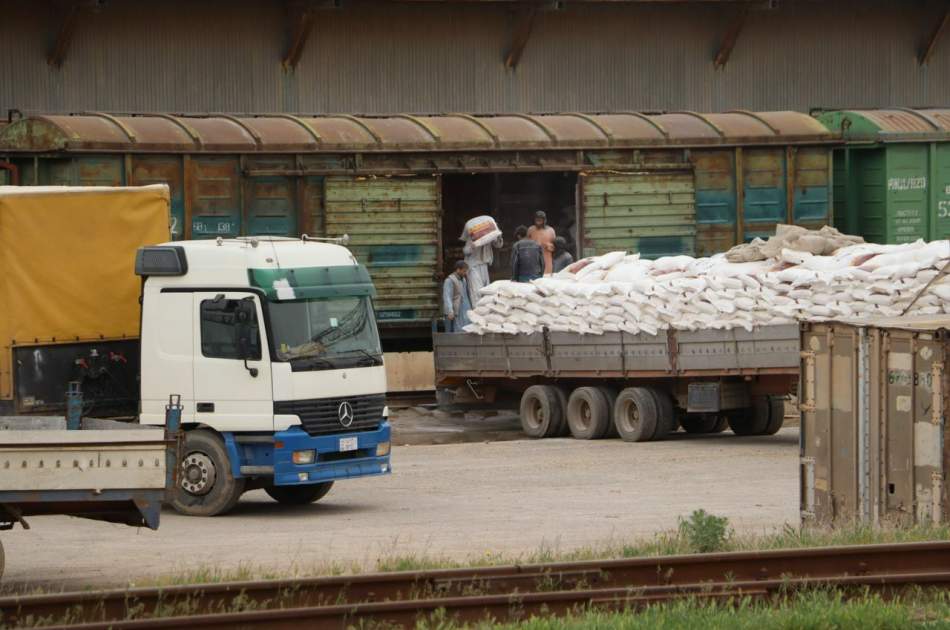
(69, 296)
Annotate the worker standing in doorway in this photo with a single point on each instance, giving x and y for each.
(562, 257)
(479, 258)
(527, 258)
(543, 234)
(455, 301)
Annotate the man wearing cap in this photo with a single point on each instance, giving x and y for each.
(543, 234)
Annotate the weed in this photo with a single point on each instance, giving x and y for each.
(705, 532)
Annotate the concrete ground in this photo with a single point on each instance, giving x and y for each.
(453, 500)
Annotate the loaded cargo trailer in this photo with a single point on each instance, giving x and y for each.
(642, 386)
(270, 342)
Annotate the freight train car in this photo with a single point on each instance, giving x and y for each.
(892, 177)
(403, 186)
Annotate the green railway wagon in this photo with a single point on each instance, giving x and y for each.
(892, 175)
(402, 186)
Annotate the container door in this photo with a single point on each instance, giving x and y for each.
(941, 221)
(163, 169)
(216, 197)
(907, 193)
(810, 177)
(228, 397)
(650, 212)
(715, 201)
(869, 180)
(393, 224)
(841, 190)
(899, 444)
(764, 198)
(271, 206)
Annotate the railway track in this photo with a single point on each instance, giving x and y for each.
(505, 592)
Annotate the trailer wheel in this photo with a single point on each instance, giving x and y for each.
(635, 414)
(776, 415)
(299, 495)
(588, 413)
(563, 430)
(611, 394)
(665, 414)
(206, 486)
(753, 420)
(541, 411)
(722, 422)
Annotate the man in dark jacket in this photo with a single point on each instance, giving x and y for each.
(527, 257)
(562, 257)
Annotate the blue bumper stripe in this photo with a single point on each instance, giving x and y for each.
(329, 464)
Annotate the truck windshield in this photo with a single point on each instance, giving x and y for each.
(325, 333)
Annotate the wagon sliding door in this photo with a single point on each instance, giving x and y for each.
(394, 228)
(650, 212)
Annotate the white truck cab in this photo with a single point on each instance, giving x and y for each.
(272, 345)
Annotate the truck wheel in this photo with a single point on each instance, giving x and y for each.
(206, 486)
(298, 495)
(701, 423)
(588, 413)
(635, 414)
(563, 430)
(722, 421)
(753, 420)
(776, 415)
(611, 394)
(665, 414)
(541, 411)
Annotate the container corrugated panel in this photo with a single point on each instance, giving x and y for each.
(651, 212)
(164, 169)
(715, 200)
(215, 197)
(764, 197)
(393, 224)
(873, 435)
(811, 187)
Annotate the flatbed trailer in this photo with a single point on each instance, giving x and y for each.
(641, 387)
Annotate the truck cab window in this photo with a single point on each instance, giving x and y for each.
(229, 329)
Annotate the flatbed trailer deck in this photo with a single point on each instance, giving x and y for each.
(642, 386)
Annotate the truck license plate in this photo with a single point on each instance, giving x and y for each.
(348, 444)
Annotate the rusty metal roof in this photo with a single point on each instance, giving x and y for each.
(893, 124)
(279, 133)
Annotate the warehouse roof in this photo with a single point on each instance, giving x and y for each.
(276, 133)
(889, 125)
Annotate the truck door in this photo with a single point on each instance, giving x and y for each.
(231, 393)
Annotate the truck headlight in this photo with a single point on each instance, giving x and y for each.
(386, 412)
(304, 457)
(383, 449)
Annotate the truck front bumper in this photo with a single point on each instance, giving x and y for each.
(330, 462)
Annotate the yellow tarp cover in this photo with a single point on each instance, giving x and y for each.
(67, 263)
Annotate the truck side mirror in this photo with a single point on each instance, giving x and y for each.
(246, 330)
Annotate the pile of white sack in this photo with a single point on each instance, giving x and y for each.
(619, 292)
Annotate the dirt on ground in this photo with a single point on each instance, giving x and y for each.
(452, 500)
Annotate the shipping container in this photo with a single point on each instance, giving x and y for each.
(403, 186)
(892, 177)
(873, 407)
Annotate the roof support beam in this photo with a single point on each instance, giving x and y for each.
(300, 23)
(524, 23)
(731, 37)
(64, 36)
(931, 43)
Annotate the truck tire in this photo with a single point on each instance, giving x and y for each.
(666, 421)
(753, 420)
(541, 412)
(298, 495)
(697, 423)
(563, 430)
(588, 413)
(635, 414)
(206, 486)
(776, 415)
(611, 394)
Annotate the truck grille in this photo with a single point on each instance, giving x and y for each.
(322, 416)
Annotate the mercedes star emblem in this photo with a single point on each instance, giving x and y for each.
(345, 413)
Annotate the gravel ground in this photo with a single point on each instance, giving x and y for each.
(452, 500)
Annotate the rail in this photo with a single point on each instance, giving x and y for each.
(502, 592)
